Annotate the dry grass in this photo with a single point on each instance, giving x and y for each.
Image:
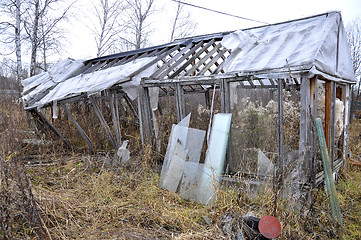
(79, 197)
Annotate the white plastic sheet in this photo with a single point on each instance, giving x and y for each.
(318, 42)
(61, 86)
(216, 155)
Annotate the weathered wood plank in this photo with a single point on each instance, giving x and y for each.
(103, 122)
(115, 117)
(329, 182)
(328, 97)
(79, 129)
(194, 56)
(131, 105)
(161, 55)
(145, 116)
(52, 127)
(202, 60)
(333, 117)
(280, 165)
(167, 64)
(95, 67)
(212, 62)
(305, 136)
(313, 170)
(225, 98)
(180, 60)
(346, 121)
(179, 102)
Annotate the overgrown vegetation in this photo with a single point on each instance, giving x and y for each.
(72, 196)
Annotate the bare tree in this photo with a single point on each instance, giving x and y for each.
(42, 26)
(12, 10)
(182, 23)
(137, 27)
(354, 39)
(108, 25)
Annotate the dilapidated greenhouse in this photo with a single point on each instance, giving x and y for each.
(274, 79)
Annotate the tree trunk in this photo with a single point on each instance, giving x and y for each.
(44, 49)
(34, 40)
(18, 42)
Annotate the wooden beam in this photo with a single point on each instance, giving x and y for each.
(103, 122)
(80, 130)
(328, 97)
(167, 64)
(131, 105)
(313, 170)
(202, 60)
(115, 116)
(346, 120)
(225, 98)
(195, 55)
(206, 96)
(180, 60)
(52, 127)
(333, 123)
(162, 55)
(305, 138)
(280, 165)
(145, 116)
(179, 102)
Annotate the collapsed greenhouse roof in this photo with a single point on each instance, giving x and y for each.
(315, 45)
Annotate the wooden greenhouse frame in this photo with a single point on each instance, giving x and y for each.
(187, 65)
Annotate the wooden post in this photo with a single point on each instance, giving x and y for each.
(305, 136)
(179, 102)
(332, 125)
(115, 116)
(80, 130)
(314, 133)
(225, 108)
(280, 166)
(206, 96)
(346, 121)
(103, 122)
(145, 115)
(328, 96)
(130, 104)
(225, 98)
(52, 127)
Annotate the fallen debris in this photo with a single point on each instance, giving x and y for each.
(182, 173)
(249, 227)
(123, 153)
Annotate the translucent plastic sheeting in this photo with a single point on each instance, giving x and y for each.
(215, 158)
(154, 97)
(176, 167)
(306, 43)
(183, 174)
(94, 82)
(191, 176)
(265, 166)
(179, 132)
(41, 82)
(194, 144)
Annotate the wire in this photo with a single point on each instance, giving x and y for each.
(231, 15)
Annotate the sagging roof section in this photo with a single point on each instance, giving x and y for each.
(316, 45)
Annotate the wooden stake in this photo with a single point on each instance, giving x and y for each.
(80, 130)
(52, 127)
(103, 122)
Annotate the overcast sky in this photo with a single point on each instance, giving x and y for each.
(81, 43)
